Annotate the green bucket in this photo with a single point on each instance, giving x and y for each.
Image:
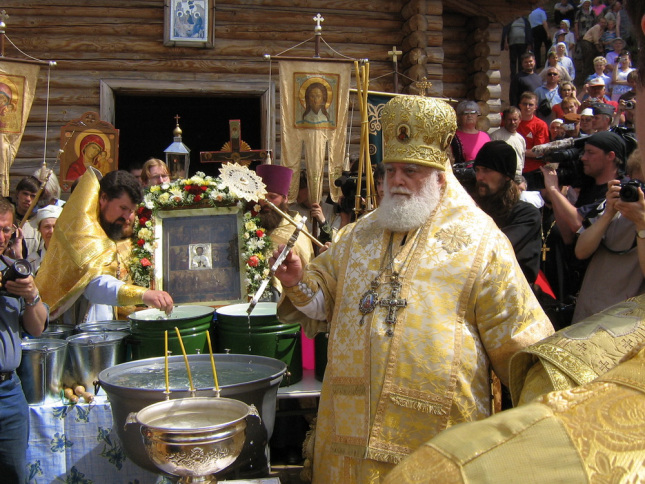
(262, 335)
(148, 329)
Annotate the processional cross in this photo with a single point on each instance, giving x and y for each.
(394, 303)
(394, 55)
(235, 150)
(423, 85)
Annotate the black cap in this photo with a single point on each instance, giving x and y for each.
(608, 141)
(498, 155)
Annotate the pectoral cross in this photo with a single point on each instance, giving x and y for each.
(544, 249)
(235, 150)
(394, 303)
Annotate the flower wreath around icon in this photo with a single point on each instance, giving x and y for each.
(203, 191)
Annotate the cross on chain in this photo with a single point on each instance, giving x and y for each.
(544, 249)
(394, 303)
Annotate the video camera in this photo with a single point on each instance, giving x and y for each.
(566, 154)
(20, 269)
(629, 190)
(347, 184)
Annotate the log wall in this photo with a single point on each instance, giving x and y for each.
(106, 40)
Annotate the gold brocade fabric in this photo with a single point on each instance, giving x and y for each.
(593, 433)
(468, 306)
(281, 235)
(580, 353)
(79, 250)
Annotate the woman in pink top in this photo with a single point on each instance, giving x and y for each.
(471, 138)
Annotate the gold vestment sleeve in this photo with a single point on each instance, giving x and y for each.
(302, 293)
(130, 295)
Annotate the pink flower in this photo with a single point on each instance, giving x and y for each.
(145, 262)
(253, 261)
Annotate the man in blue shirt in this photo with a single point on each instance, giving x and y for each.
(539, 28)
(20, 310)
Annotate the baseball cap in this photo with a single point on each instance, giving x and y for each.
(596, 81)
(586, 112)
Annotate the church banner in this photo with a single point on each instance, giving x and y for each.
(314, 97)
(17, 88)
(376, 101)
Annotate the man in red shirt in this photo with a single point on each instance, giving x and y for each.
(533, 129)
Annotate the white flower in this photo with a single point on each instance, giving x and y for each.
(256, 208)
(176, 192)
(148, 247)
(247, 236)
(260, 243)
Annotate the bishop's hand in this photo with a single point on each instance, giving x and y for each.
(158, 299)
(290, 272)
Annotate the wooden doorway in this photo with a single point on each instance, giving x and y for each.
(144, 113)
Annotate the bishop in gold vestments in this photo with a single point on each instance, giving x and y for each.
(417, 316)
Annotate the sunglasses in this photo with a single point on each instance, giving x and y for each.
(552, 74)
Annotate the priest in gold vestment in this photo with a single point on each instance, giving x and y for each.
(83, 270)
(278, 180)
(592, 433)
(424, 296)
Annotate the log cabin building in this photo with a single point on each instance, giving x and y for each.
(112, 59)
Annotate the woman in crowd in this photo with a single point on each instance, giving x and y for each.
(619, 81)
(552, 61)
(471, 138)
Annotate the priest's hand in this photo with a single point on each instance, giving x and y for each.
(158, 299)
(290, 271)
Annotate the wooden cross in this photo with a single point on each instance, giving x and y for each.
(4, 16)
(393, 54)
(235, 150)
(394, 303)
(423, 85)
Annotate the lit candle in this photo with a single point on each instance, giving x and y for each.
(183, 350)
(210, 349)
(166, 361)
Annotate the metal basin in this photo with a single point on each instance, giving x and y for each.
(251, 379)
(193, 437)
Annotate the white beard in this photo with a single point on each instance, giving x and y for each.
(401, 210)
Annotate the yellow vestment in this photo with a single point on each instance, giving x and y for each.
(80, 251)
(579, 353)
(467, 306)
(593, 433)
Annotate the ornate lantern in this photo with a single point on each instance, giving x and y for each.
(177, 155)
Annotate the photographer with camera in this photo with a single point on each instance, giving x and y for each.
(20, 310)
(615, 242)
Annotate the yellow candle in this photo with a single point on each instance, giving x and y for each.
(210, 349)
(166, 360)
(183, 350)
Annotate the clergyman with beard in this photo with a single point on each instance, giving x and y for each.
(498, 195)
(424, 297)
(277, 180)
(83, 276)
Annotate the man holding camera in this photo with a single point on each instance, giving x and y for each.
(615, 242)
(20, 310)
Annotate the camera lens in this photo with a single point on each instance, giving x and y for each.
(23, 268)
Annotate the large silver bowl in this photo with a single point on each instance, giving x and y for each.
(251, 379)
(193, 437)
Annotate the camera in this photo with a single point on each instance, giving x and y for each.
(347, 184)
(569, 169)
(20, 269)
(629, 104)
(465, 174)
(629, 190)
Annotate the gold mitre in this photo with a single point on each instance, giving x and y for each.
(418, 130)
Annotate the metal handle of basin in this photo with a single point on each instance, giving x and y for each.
(130, 419)
(254, 411)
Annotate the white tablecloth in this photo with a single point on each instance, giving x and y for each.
(76, 444)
